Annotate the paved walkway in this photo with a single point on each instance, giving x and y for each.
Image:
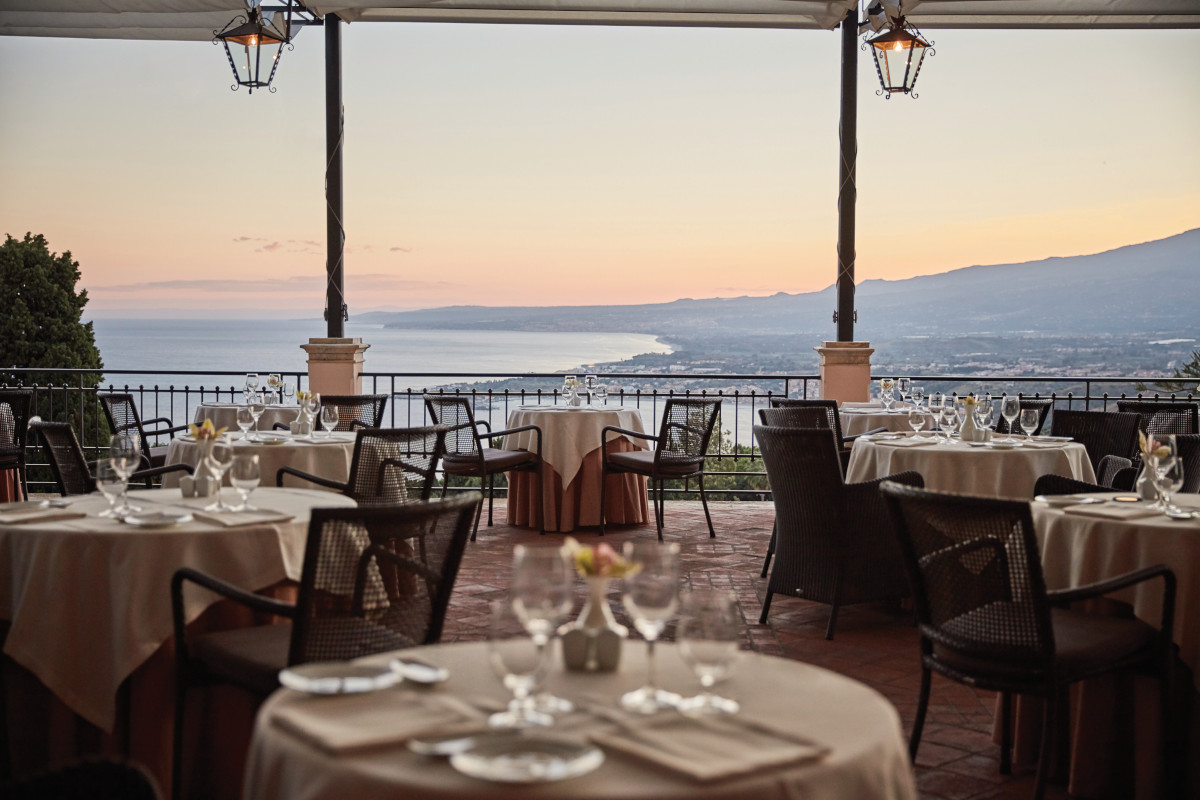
(875, 644)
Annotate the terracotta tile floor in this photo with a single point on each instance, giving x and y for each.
(873, 644)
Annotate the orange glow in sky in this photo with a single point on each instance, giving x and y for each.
(506, 164)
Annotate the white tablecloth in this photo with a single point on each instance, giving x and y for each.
(325, 456)
(868, 758)
(1078, 549)
(224, 415)
(89, 598)
(856, 420)
(982, 471)
(569, 435)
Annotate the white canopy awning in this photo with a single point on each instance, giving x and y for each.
(198, 19)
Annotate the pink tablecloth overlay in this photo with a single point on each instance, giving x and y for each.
(982, 471)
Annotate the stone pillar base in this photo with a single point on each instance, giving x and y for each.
(845, 371)
(335, 366)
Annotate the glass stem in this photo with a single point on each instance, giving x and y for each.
(651, 677)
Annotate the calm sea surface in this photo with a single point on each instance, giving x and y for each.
(240, 346)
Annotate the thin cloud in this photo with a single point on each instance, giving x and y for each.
(271, 248)
(368, 282)
(399, 249)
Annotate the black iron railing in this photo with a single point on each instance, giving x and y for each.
(177, 394)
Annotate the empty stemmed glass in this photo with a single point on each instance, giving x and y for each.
(218, 461)
(1166, 470)
(886, 386)
(251, 385)
(256, 408)
(1010, 409)
(245, 420)
(289, 391)
(542, 587)
(708, 633)
(124, 455)
(916, 421)
(589, 385)
(111, 485)
(984, 412)
(651, 596)
(1029, 421)
(521, 664)
(903, 385)
(918, 395)
(949, 420)
(244, 477)
(601, 392)
(329, 418)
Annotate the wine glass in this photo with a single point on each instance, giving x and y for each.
(111, 485)
(275, 382)
(542, 587)
(886, 385)
(589, 383)
(949, 421)
(984, 412)
(251, 384)
(601, 393)
(520, 664)
(219, 460)
(329, 418)
(289, 391)
(1010, 409)
(1029, 421)
(651, 596)
(1166, 469)
(244, 477)
(245, 420)
(568, 388)
(124, 455)
(918, 395)
(935, 400)
(256, 409)
(916, 421)
(709, 628)
(903, 385)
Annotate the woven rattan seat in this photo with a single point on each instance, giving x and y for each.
(122, 414)
(389, 466)
(466, 457)
(373, 580)
(15, 405)
(835, 543)
(71, 471)
(1103, 433)
(1043, 406)
(986, 619)
(354, 411)
(678, 454)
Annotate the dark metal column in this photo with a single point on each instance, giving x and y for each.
(335, 233)
(847, 193)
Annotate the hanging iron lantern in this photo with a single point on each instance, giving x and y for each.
(254, 47)
(898, 56)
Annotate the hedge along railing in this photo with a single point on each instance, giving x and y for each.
(66, 393)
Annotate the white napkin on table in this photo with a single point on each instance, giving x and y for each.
(907, 441)
(1112, 510)
(236, 519)
(28, 515)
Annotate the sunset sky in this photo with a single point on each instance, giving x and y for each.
(515, 164)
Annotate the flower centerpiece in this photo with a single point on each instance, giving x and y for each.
(206, 435)
(600, 561)
(970, 432)
(593, 641)
(1151, 450)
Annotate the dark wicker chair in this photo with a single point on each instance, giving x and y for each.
(373, 580)
(1103, 433)
(14, 424)
(71, 471)
(389, 466)
(678, 454)
(91, 779)
(1188, 448)
(466, 457)
(1115, 474)
(835, 543)
(1042, 404)
(830, 407)
(1160, 416)
(122, 415)
(354, 411)
(986, 619)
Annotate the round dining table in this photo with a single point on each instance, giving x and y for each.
(326, 455)
(858, 419)
(802, 732)
(968, 468)
(569, 496)
(224, 415)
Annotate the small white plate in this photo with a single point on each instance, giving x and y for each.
(1183, 513)
(533, 758)
(157, 519)
(1059, 500)
(271, 438)
(337, 677)
(1002, 445)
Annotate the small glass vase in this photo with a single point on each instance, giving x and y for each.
(592, 643)
(1144, 486)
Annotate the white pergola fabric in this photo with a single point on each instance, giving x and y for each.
(198, 19)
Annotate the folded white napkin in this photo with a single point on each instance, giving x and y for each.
(907, 441)
(236, 519)
(345, 723)
(1112, 510)
(28, 515)
(708, 748)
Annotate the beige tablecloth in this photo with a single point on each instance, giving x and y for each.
(89, 598)
(224, 415)
(867, 758)
(325, 456)
(982, 471)
(856, 420)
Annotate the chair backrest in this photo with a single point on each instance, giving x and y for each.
(462, 437)
(376, 579)
(65, 456)
(1101, 432)
(364, 408)
(95, 778)
(1188, 450)
(1160, 416)
(973, 564)
(122, 415)
(14, 421)
(829, 407)
(391, 466)
(1043, 406)
(687, 426)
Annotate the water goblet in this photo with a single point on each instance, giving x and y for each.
(251, 384)
(886, 386)
(542, 587)
(935, 400)
(329, 418)
(708, 633)
(903, 386)
(1010, 409)
(289, 391)
(916, 421)
(589, 384)
(984, 413)
(949, 421)
(245, 420)
(218, 461)
(651, 596)
(244, 477)
(111, 485)
(520, 664)
(602, 393)
(256, 408)
(124, 455)
(275, 384)
(918, 395)
(1029, 421)
(1166, 468)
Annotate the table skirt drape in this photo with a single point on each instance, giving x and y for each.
(578, 504)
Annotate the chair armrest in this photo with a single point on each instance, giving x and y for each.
(537, 432)
(317, 479)
(170, 430)
(1166, 625)
(255, 602)
(625, 432)
(487, 426)
(281, 426)
(163, 470)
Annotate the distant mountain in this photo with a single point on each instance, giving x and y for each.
(1139, 288)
